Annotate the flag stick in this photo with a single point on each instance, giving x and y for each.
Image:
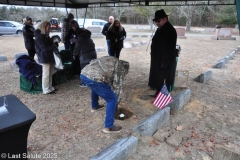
(150, 40)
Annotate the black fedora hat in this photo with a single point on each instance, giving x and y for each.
(159, 14)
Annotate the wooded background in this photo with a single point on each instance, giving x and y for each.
(197, 14)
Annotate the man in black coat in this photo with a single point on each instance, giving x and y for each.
(28, 34)
(163, 53)
(105, 32)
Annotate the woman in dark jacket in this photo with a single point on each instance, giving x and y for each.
(28, 34)
(116, 34)
(44, 48)
(72, 34)
(84, 48)
(72, 38)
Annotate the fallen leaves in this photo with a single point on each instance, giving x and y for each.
(153, 142)
(179, 128)
(195, 135)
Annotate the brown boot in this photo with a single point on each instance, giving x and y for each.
(114, 129)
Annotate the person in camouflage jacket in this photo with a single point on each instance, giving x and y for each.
(65, 30)
(104, 76)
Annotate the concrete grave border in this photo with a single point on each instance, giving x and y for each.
(121, 149)
(20, 54)
(221, 63)
(179, 100)
(149, 126)
(205, 76)
(3, 58)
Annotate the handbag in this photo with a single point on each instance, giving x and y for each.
(181, 79)
(58, 61)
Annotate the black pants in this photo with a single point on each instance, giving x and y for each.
(115, 52)
(76, 69)
(31, 53)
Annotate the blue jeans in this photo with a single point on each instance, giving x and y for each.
(108, 45)
(103, 90)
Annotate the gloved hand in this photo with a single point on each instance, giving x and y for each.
(163, 66)
(56, 44)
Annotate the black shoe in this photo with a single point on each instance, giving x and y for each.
(53, 92)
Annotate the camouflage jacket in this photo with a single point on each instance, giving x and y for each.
(64, 31)
(106, 69)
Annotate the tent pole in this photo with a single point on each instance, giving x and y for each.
(76, 14)
(238, 14)
(84, 17)
(67, 11)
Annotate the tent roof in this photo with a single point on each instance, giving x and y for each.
(101, 3)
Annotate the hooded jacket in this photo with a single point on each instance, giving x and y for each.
(65, 31)
(85, 47)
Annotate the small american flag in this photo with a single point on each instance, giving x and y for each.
(163, 98)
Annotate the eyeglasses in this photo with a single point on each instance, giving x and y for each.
(158, 21)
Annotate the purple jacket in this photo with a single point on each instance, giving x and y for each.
(44, 47)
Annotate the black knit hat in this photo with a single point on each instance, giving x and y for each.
(28, 18)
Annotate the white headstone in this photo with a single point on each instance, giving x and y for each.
(136, 44)
(100, 49)
(127, 45)
(144, 43)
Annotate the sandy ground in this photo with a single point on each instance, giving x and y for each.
(65, 126)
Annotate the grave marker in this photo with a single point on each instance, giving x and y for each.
(127, 45)
(3, 58)
(135, 35)
(20, 54)
(100, 49)
(96, 32)
(127, 39)
(223, 34)
(144, 43)
(180, 32)
(136, 44)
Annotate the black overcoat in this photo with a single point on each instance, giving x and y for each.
(163, 52)
(28, 34)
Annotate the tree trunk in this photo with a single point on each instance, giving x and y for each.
(188, 23)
